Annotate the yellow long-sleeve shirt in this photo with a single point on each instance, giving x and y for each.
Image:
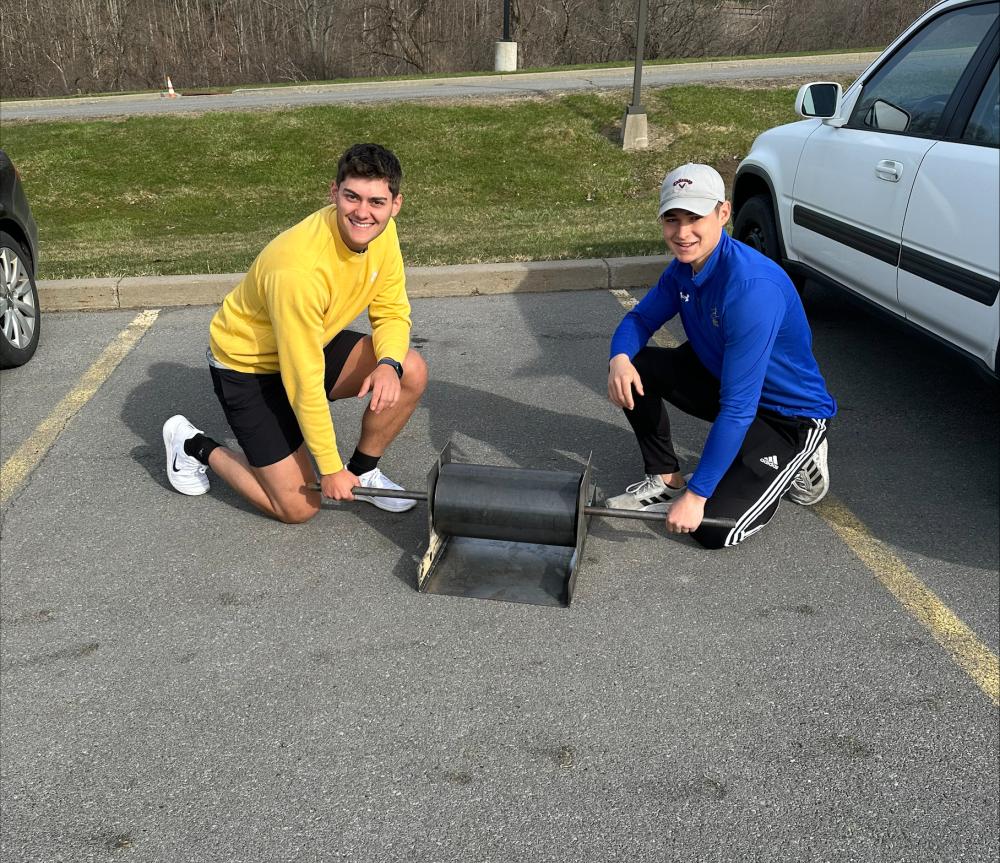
(304, 288)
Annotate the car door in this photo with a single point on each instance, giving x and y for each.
(854, 181)
(949, 268)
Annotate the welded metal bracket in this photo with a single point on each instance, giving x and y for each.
(585, 499)
(437, 542)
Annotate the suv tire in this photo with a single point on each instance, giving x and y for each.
(20, 317)
(755, 226)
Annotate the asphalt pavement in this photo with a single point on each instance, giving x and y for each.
(819, 66)
(185, 680)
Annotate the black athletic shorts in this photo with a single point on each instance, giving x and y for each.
(257, 406)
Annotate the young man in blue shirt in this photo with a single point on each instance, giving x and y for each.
(747, 368)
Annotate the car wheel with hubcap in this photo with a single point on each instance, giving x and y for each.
(19, 312)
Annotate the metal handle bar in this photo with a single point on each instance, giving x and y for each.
(598, 511)
(400, 493)
(644, 515)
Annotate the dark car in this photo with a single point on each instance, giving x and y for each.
(19, 312)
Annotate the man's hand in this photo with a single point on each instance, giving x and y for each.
(622, 376)
(385, 388)
(686, 512)
(337, 486)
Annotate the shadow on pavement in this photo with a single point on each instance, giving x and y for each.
(913, 451)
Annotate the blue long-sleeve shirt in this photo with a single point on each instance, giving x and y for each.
(746, 324)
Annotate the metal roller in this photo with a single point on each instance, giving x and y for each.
(507, 533)
(515, 504)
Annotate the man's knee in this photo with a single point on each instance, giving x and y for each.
(414, 373)
(295, 516)
(643, 360)
(712, 538)
(294, 509)
(652, 358)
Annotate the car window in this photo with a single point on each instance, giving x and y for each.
(984, 124)
(910, 92)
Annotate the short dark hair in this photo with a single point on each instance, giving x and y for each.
(371, 162)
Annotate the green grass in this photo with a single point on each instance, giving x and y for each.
(538, 179)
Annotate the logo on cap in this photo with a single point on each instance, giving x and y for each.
(682, 182)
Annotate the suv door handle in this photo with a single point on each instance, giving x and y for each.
(889, 170)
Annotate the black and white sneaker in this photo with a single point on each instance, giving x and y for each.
(186, 473)
(651, 494)
(812, 482)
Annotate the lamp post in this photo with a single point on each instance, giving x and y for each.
(505, 51)
(635, 130)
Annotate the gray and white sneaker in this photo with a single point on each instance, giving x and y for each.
(186, 473)
(376, 479)
(812, 482)
(651, 494)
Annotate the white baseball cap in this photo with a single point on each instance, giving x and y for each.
(695, 188)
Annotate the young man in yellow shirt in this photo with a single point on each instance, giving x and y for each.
(279, 351)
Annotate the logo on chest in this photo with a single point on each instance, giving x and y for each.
(685, 297)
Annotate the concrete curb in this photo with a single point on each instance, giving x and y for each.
(461, 280)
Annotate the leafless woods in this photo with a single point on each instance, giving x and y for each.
(52, 47)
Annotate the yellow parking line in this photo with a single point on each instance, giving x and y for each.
(27, 456)
(961, 643)
(661, 338)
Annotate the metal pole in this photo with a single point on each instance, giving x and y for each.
(506, 20)
(640, 49)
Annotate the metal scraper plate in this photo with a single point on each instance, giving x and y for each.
(498, 569)
(502, 570)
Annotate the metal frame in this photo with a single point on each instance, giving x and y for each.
(524, 572)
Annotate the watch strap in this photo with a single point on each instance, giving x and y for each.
(389, 361)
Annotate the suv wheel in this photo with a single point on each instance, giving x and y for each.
(19, 313)
(754, 225)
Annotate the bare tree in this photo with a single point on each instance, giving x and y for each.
(50, 47)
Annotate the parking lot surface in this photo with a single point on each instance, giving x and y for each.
(185, 680)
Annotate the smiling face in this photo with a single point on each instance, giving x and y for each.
(693, 238)
(364, 207)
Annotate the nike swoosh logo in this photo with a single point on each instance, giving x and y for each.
(176, 469)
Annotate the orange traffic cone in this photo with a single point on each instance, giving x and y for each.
(170, 94)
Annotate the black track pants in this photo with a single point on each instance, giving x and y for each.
(774, 450)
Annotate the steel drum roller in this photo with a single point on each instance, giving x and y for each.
(505, 503)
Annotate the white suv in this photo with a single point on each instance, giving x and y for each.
(891, 190)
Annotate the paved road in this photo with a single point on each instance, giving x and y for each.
(490, 86)
(185, 680)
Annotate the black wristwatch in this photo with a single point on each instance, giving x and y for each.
(389, 361)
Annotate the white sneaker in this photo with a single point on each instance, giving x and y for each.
(651, 494)
(185, 472)
(376, 479)
(812, 482)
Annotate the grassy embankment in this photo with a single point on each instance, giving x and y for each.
(535, 179)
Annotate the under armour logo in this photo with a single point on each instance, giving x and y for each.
(771, 461)
(685, 297)
(682, 182)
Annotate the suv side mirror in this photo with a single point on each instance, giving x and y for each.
(885, 115)
(820, 100)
